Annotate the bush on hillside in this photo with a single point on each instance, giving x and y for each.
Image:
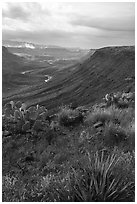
(114, 134)
(123, 104)
(68, 117)
(111, 114)
(101, 115)
(120, 99)
(117, 135)
(130, 130)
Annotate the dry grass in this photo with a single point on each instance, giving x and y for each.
(113, 114)
(68, 117)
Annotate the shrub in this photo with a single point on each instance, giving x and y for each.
(68, 117)
(126, 164)
(102, 115)
(122, 117)
(114, 134)
(130, 130)
(119, 99)
(123, 104)
(126, 116)
(97, 182)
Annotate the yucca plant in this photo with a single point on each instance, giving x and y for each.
(98, 183)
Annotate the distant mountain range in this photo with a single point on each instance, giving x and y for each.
(29, 45)
(41, 53)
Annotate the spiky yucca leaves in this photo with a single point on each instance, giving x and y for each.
(95, 182)
(98, 182)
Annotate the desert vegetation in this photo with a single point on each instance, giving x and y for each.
(81, 154)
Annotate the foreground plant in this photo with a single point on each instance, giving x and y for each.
(22, 119)
(98, 182)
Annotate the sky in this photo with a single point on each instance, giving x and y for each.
(71, 24)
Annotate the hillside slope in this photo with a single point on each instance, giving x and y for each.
(108, 69)
(10, 62)
(11, 66)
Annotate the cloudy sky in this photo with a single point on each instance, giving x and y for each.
(85, 25)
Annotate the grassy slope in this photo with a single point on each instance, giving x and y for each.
(105, 71)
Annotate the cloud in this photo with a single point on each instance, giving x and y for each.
(42, 36)
(16, 12)
(107, 16)
(72, 39)
(24, 11)
(79, 24)
(110, 24)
